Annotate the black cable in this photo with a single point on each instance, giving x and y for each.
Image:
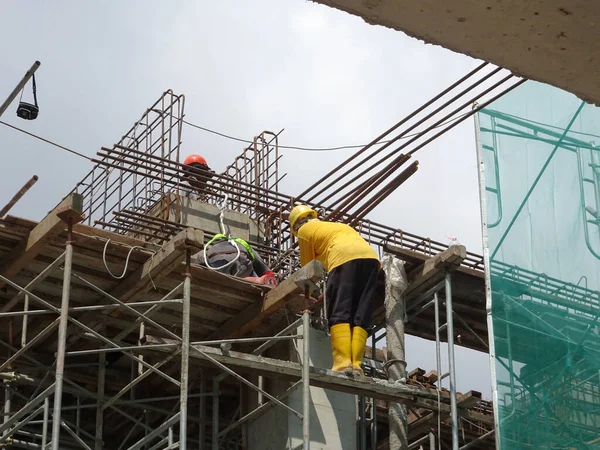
(311, 149)
(47, 141)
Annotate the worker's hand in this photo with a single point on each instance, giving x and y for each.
(315, 301)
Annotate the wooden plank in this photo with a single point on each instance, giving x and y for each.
(469, 399)
(432, 376)
(431, 271)
(416, 372)
(254, 314)
(417, 258)
(464, 402)
(45, 231)
(86, 231)
(325, 378)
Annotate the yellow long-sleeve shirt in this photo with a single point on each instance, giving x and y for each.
(332, 243)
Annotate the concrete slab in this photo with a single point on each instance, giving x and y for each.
(552, 41)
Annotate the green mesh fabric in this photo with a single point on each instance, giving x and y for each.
(541, 152)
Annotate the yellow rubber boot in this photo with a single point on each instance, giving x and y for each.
(359, 340)
(341, 344)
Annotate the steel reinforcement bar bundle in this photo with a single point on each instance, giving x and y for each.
(349, 195)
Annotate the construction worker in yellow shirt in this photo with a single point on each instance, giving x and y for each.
(351, 286)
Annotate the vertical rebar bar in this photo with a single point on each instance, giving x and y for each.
(62, 339)
(185, 356)
(450, 331)
(99, 409)
(306, 379)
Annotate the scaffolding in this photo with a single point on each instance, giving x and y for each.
(543, 299)
(145, 359)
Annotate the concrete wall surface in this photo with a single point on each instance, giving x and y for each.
(552, 41)
(332, 414)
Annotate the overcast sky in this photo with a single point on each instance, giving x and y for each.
(325, 76)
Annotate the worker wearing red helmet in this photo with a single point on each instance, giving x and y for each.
(197, 173)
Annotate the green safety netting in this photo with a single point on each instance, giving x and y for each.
(541, 182)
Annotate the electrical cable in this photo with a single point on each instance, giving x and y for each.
(46, 140)
(314, 149)
(118, 277)
(229, 239)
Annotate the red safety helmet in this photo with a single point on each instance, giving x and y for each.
(195, 159)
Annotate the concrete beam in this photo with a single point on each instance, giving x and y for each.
(552, 41)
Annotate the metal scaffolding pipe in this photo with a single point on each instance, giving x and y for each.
(478, 441)
(45, 423)
(62, 340)
(98, 444)
(306, 378)
(18, 195)
(185, 356)
(155, 433)
(452, 371)
(215, 413)
(6, 406)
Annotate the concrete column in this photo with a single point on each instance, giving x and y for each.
(395, 313)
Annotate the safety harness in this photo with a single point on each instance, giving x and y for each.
(240, 241)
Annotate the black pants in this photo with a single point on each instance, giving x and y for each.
(351, 290)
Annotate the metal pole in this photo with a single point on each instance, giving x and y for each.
(6, 406)
(478, 441)
(45, 425)
(419, 442)
(215, 413)
(374, 400)
(20, 86)
(185, 356)
(363, 423)
(438, 358)
(306, 379)
(62, 339)
(450, 330)
(100, 410)
(431, 441)
(24, 326)
(18, 195)
(202, 414)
